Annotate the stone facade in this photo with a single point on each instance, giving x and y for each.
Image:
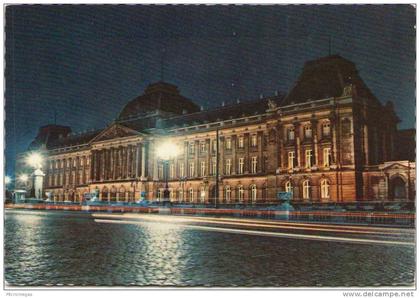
(328, 140)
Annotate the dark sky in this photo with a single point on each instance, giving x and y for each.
(88, 61)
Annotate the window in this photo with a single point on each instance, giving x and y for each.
(172, 196)
(68, 163)
(202, 147)
(327, 157)
(308, 158)
(253, 193)
(228, 169)
(191, 148)
(291, 159)
(181, 195)
(203, 169)
(326, 129)
(254, 141)
(290, 134)
(181, 170)
(325, 189)
(241, 142)
(202, 194)
(214, 145)
(160, 171)
(159, 194)
(254, 165)
(191, 195)
(308, 131)
(241, 165)
(213, 166)
(192, 167)
(171, 171)
(240, 193)
(227, 193)
(228, 143)
(74, 162)
(306, 190)
(288, 187)
(82, 161)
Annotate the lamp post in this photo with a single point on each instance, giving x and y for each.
(35, 160)
(165, 152)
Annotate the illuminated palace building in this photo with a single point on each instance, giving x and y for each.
(329, 139)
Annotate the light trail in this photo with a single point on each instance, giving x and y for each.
(253, 223)
(272, 234)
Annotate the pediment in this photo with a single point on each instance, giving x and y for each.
(115, 131)
(394, 165)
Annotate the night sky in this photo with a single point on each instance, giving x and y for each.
(88, 61)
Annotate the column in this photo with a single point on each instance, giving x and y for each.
(143, 161)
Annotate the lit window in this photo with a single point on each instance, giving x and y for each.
(213, 166)
(291, 159)
(254, 165)
(325, 189)
(181, 195)
(227, 193)
(241, 166)
(191, 147)
(202, 147)
(87, 161)
(253, 193)
(172, 171)
(203, 169)
(192, 168)
(291, 134)
(181, 170)
(326, 129)
(82, 161)
(254, 141)
(202, 194)
(228, 169)
(306, 189)
(308, 131)
(214, 145)
(308, 158)
(191, 195)
(288, 187)
(327, 157)
(240, 193)
(160, 171)
(241, 142)
(228, 143)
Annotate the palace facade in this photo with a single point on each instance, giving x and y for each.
(328, 140)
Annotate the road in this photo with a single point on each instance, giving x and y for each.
(68, 248)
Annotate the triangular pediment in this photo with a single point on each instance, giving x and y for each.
(115, 131)
(396, 165)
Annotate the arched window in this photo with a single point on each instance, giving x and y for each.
(288, 187)
(306, 190)
(240, 193)
(325, 189)
(253, 193)
(202, 194)
(227, 193)
(104, 195)
(191, 195)
(307, 131)
(398, 190)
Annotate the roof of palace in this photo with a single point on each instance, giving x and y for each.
(158, 96)
(74, 139)
(324, 78)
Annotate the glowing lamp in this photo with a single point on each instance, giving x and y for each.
(23, 178)
(7, 180)
(167, 150)
(34, 160)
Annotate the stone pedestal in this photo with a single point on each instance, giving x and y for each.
(38, 183)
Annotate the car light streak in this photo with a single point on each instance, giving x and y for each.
(272, 234)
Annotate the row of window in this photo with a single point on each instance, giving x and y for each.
(60, 179)
(203, 168)
(306, 189)
(309, 158)
(228, 144)
(60, 164)
(307, 131)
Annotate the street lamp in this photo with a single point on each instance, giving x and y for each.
(165, 152)
(7, 180)
(35, 160)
